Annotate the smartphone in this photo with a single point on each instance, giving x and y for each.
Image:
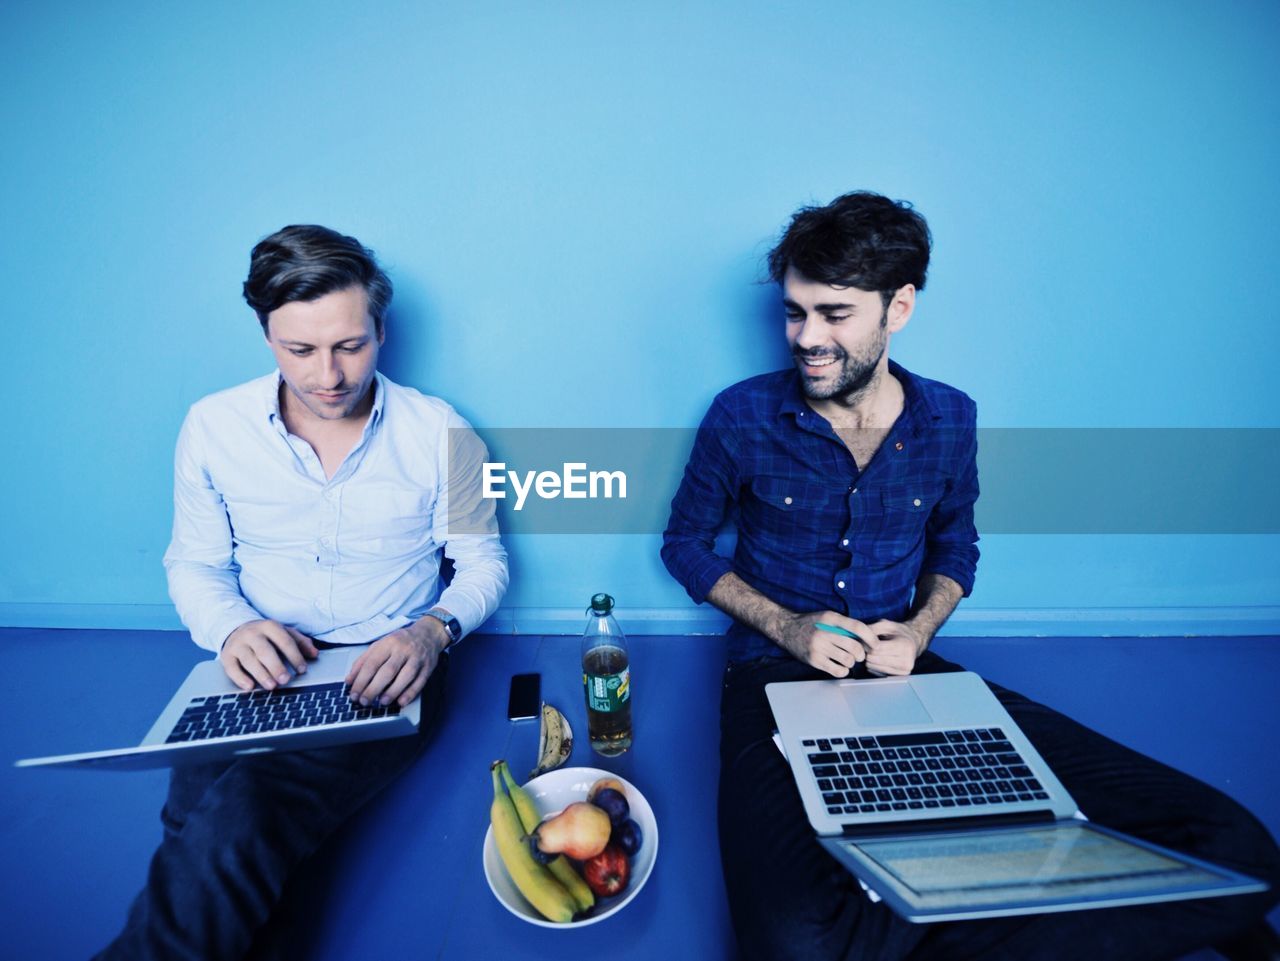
(525, 699)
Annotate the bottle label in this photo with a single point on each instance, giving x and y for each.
(607, 692)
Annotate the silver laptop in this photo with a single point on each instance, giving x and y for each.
(925, 789)
(210, 719)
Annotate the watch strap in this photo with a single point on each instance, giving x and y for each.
(450, 624)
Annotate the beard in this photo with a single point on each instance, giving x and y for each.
(848, 376)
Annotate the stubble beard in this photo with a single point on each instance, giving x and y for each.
(856, 372)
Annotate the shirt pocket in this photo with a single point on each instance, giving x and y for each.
(898, 530)
(384, 522)
(797, 512)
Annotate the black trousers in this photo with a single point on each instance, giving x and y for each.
(234, 833)
(789, 899)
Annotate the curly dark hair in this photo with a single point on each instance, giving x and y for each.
(861, 239)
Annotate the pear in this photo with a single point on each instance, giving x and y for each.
(580, 831)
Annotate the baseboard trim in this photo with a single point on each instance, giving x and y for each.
(966, 622)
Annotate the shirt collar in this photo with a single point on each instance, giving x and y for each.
(271, 399)
(917, 404)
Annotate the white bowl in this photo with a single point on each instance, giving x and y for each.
(551, 793)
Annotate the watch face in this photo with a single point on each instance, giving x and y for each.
(450, 623)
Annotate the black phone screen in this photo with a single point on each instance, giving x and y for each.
(525, 700)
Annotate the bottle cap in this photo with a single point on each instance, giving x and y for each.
(601, 604)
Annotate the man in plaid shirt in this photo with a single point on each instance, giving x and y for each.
(852, 482)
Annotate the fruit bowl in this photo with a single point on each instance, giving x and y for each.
(552, 792)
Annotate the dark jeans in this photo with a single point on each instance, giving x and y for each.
(789, 899)
(235, 831)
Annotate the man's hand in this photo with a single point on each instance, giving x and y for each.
(396, 667)
(895, 648)
(256, 653)
(827, 651)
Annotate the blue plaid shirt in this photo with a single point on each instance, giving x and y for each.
(814, 532)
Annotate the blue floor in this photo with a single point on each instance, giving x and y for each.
(405, 880)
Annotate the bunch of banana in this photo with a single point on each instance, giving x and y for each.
(555, 741)
(535, 882)
(559, 866)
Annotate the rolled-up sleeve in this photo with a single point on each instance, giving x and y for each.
(204, 581)
(951, 539)
(466, 522)
(708, 488)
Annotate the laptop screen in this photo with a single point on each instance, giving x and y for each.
(1064, 865)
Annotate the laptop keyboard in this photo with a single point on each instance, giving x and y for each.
(932, 769)
(253, 712)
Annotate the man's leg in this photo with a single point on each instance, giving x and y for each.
(1122, 789)
(235, 832)
(788, 898)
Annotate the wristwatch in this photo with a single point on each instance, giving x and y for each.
(450, 624)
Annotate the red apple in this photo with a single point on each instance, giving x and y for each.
(608, 872)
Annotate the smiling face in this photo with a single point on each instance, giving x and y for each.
(327, 351)
(839, 335)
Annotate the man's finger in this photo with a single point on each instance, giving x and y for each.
(237, 674)
(283, 641)
(305, 644)
(830, 665)
(386, 674)
(372, 659)
(861, 631)
(249, 662)
(270, 659)
(401, 682)
(415, 688)
(354, 669)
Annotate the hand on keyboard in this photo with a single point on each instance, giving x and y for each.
(256, 652)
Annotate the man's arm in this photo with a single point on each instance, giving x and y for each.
(466, 522)
(898, 645)
(709, 486)
(204, 581)
(397, 667)
(798, 634)
(950, 561)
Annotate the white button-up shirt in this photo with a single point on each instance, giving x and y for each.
(260, 532)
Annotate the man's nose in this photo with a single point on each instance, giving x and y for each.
(813, 332)
(330, 372)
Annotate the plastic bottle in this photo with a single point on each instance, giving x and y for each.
(606, 679)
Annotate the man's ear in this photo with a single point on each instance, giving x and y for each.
(900, 308)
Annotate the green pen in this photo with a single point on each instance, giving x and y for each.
(834, 629)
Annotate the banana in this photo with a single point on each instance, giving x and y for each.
(560, 866)
(535, 882)
(555, 741)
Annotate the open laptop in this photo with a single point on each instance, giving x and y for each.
(210, 719)
(925, 790)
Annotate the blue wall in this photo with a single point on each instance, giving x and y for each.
(574, 200)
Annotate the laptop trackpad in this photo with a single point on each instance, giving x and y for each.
(883, 704)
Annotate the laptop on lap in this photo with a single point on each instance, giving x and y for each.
(210, 719)
(925, 789)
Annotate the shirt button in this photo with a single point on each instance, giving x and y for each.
(325, 542)
(898, 446)
(916, 502)
(845, 542)
(840, 584)
(786, 500)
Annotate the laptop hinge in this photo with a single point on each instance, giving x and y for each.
(946, 824)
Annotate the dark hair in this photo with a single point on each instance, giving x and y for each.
(305, 262)
(861, 240)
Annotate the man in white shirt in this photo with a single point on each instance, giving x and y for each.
(312, 509)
